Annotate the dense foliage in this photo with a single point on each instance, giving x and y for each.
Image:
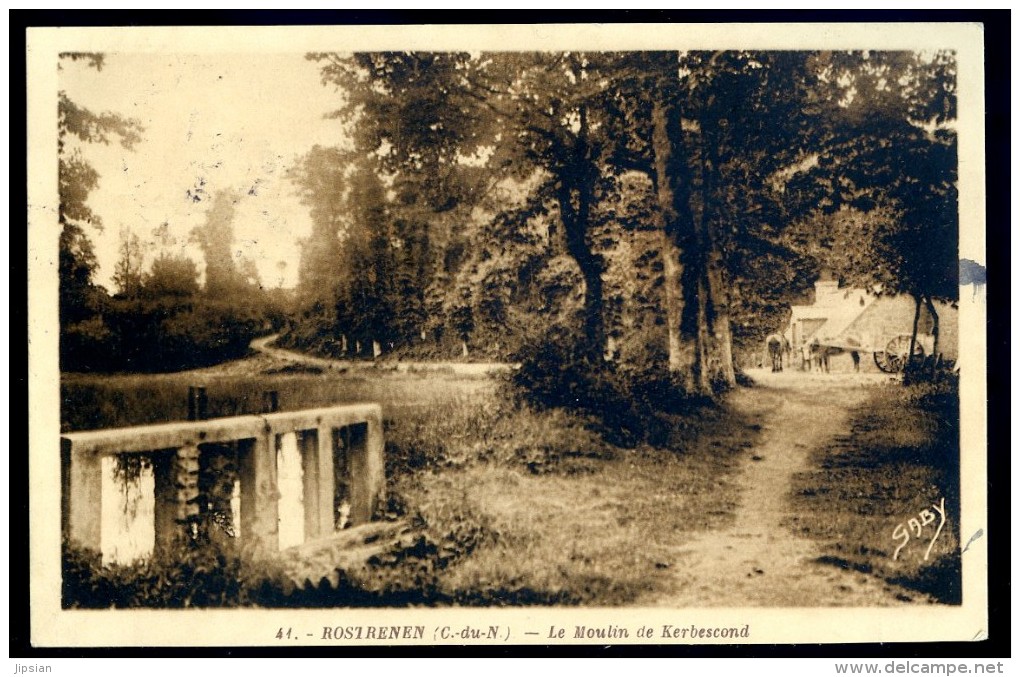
(647, 204)
(659, 210)
(160, 334)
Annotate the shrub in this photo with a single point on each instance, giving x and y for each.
(207, 576)
(167, 333)
(86, 345)
(628, 404)
(206, 333)
(223, 575)
(932, 371)
(431, 437)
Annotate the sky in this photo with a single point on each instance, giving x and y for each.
(233, 121)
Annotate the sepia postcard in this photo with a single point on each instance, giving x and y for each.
(589, 334)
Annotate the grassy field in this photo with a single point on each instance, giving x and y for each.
(516, 506)
(105, 401)
(900, 456)
(566, 518)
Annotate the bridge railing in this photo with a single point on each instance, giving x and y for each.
(341, 450)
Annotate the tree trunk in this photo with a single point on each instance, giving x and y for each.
(913, 333)
(668, 196)
(698, 258)
(686, 307)
(575, 195)
(594, 324)
(591, 266)
(702, 350)
(674, 302)
(719, 309)
(934, 333)
(721, 316)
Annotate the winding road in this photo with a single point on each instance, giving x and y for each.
(265, 345)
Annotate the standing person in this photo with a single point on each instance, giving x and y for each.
(775, 347)
(805, 357)
(856, 357)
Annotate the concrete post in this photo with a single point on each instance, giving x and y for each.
(176, 507)
(317, 449)
(82, 477)
(375, 464)
(367, 473)
(308, 446)
(259, 493)
(327, 481)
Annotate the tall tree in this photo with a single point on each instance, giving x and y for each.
(722, 126)
(890, 154)
(79, 297)
(552, 108)
(367, 306)
(412, 119)
(127, 274)
(321, 177)
(215, 238)
(172, 273)
(757, 112)
(684, 253)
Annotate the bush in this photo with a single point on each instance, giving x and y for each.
(206, 333)
(628, 404)
(87, 345)
(933, 371)
(222, 575)
(206, 576)
(169, 333)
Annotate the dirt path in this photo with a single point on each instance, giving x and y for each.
(265, 346)
(759, 561)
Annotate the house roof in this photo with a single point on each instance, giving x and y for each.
(838, 307)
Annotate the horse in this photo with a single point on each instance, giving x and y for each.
(776, 344)
(820, 356)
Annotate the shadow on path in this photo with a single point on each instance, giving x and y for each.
(759, 561)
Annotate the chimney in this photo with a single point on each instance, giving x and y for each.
(826, 286)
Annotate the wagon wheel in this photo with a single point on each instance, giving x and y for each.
(894, 358)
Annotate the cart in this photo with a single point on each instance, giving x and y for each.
(888, 350)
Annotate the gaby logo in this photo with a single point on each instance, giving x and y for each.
(914, 527)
